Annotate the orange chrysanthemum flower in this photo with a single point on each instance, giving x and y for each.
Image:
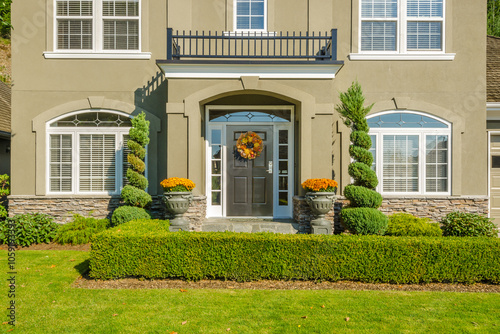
(320, 185)
(175, 184)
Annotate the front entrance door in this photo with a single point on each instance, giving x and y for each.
(249, 182)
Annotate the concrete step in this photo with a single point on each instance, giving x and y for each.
(251, 225)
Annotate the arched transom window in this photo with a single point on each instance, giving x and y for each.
(411, 153)
(87, 152)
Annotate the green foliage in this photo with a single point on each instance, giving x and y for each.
(136, 149)
(361, 139)
(150, 252)
(137, 164)
(29, 229)
(352, 108)
(134, 194)
(80, 230)
(363, 175)
(405, 224)
(137, 180)
(5, 18)
(4, 185)
(493, 19)
(127, 213)
(364, 221)
(3, 212)
(135, 197)
(461, 224)
(362, 197)
(140, 130)
(361, 155)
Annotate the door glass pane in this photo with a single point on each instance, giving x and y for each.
(283, 183)
(283, 167)
(283, 136)
(283, 199)
(283, 152)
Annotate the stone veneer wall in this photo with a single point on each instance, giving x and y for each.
(62, 208)
(431, 207)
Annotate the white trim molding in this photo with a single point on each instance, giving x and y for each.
(402, 56)
(264, 71)
(96, 55)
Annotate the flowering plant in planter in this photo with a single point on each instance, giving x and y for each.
(320, 185)
(177, 184)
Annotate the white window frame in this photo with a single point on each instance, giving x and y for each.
(401, 52)
(422, 133)
(248, 31)
(97, 51)
(75, 133)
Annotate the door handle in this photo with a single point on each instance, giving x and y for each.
(270, 170)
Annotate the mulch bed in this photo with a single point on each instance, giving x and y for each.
(86, 282)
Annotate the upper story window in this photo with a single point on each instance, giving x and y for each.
(250, 15)
(402, 26)
(97, 25)
(412, 153)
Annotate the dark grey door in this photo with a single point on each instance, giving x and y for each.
(249, 182)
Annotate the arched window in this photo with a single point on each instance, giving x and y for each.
(411, 153)
(87, 152)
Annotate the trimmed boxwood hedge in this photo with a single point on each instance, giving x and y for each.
(150, 251)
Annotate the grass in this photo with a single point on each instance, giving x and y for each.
(46, 303)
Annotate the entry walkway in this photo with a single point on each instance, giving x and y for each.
(250, 225)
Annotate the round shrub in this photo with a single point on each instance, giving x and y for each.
(362, 197)
(80, 230)
(363, 175)
(29, 229)
(140, 130)
(461, 224)
(405, 224)
(136, 197)
(127, 213)
(364, 221)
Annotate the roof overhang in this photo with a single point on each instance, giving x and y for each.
(194, 69)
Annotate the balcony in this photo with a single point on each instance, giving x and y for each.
(267, 55)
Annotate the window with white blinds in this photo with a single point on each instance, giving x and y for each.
(83, 161)
(98, 25)
(250, 15)
(411, 153)
(401, 26)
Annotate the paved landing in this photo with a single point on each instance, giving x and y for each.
(284, 226)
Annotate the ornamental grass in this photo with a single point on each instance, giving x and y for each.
(177, 184)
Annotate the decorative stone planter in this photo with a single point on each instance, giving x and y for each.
(320, 204)
(177, 203)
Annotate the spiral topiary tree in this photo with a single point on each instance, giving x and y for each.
(134, 194)
(362, 216)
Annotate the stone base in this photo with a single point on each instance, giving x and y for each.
(62, 208)
(434, 208)
(178, 228)
(327, 229)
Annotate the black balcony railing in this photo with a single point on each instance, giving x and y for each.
(252, 46)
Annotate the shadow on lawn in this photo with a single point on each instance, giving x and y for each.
(83, 267)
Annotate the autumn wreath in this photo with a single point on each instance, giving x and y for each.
(249, 145)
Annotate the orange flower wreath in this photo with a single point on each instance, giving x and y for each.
(249, 145)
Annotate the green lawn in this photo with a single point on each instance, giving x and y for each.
(47, 304)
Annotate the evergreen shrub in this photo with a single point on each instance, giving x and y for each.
(29, 229)
(135, 197)
(3, 212)
(126, 213)
(461, 224)
(148, 250)
(405, 224)
(362, 197)
(364, 221)
(80, 230)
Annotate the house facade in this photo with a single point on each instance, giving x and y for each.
(207, 71)
(5, 132)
